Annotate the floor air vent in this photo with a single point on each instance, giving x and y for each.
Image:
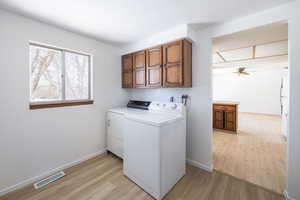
(48, 180)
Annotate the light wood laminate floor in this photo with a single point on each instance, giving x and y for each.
(101, 178)
(256, 154)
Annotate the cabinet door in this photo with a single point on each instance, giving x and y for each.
(230, 120)
(115, 133)
(154, 67)
(172, 70)
(139, 69)
(127, 65)
(218, 119)
(127, 79)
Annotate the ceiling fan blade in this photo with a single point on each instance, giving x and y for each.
(245, 73)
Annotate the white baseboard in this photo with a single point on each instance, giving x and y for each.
(48, 173)
(199, 165)
(286, 196)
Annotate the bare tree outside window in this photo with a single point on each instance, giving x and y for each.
(46, 73)
(58, 74)
(77, 76)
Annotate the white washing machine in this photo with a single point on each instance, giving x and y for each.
(155, 147)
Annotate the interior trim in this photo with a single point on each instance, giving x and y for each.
(200, 165)
(41, 105)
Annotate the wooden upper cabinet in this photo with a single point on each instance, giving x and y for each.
(167, 65)
(127, 66)
(139, 69)
(177, 64)
(173, 64)
(154, 67)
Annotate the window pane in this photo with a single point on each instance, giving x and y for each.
(45, 76)
(77, 76)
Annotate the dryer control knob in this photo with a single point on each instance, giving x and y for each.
(174, 106)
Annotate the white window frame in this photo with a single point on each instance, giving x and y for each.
(63, 51)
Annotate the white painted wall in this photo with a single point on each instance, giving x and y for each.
(34, 142)
(199, 126)
(257, 93)
(294, 109)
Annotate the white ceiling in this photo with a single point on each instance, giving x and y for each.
(278, 61)
(254, 52)
(271, 48)
(259, 35)
(125, 21)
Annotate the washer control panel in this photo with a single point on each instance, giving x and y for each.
(168, 107)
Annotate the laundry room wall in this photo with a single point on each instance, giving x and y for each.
(199, 125)
(35, 143)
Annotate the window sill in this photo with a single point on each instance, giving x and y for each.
(33, 106)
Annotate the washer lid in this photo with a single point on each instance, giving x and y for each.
(124, 110)
(154, 119)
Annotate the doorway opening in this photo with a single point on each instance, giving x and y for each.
(250, 105)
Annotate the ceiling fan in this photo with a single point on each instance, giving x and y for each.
(241, 71)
